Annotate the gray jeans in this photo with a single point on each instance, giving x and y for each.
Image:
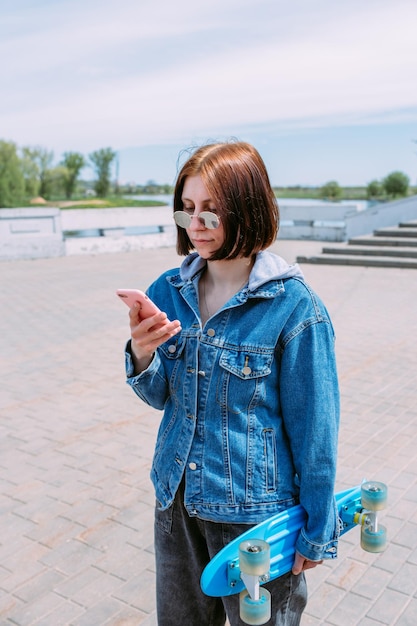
(183, 547)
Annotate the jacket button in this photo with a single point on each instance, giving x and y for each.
(246, 370)
(211, 332)
(192, 466)
(172, 349)
(201, 373)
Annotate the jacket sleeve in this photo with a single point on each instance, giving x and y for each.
(150, 385)
(309, 396)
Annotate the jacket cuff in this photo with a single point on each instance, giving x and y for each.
(314, 551)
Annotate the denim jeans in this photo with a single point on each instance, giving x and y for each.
(183, 547)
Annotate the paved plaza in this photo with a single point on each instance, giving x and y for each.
(76, 503)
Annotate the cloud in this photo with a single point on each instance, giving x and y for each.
(320, 64)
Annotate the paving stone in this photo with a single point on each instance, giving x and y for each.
(407, 535)
(309, 620)
(393, 558)
(100, 613)
(38, 585)
(129, 616)
(63, 615)
(405, 580)
(346, 573)
(350, 610)
(76, 503)
(138, 591)
(389, 607)
(372, 583)
(8, 604)
(31, 612)
(409, 615)
(99, 588)
(324, 600)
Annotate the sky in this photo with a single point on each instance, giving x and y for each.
(324, 89)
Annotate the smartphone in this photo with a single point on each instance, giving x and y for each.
(130, 296)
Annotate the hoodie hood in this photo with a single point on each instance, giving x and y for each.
(267, 266)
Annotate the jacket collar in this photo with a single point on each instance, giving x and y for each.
(267, 267)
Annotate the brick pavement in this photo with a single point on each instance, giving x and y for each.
(76, 445)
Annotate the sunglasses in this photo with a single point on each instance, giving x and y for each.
(208, 219)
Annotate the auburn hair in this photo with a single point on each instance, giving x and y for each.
(238, 183)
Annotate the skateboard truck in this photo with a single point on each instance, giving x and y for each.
(363, 511)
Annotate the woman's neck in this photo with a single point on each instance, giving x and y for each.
(228, 273)
(220, 281)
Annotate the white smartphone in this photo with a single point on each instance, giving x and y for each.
(130, 296)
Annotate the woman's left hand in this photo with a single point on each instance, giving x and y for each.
(301, 564)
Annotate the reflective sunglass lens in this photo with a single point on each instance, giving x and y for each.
(182, 219)
(210, 220)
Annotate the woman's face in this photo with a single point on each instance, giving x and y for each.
(196, 199)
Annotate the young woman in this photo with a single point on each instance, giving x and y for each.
(241, 361)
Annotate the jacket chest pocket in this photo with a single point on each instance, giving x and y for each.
(246, 365)
(243, 378)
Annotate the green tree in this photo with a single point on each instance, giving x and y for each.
(374, 190)
(38, 161)
(74, 163)
(45, 164)
(331, 191)
(101, 161)
(30, 171)
(12, 184)
(55, 181)
(396, 184)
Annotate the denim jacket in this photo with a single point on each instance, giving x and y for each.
(250, 401)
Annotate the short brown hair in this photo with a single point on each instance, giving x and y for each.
(238, 183)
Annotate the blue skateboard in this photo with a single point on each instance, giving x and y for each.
(267, 550)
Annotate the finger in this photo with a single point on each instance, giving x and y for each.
(301, 564)
(135, 318)
(163, 332)
(311, 564)
(298, 565)
(149, 339)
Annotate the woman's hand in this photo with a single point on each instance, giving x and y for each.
(301, 564)
(147, 334)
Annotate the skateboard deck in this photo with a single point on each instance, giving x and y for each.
(223, 577)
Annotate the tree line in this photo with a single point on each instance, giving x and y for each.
(394, 185)
(29, 172)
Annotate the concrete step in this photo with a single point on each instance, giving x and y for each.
(387, 247)
(367, 261)
(368, 240)
(404, 231)
(373, 251)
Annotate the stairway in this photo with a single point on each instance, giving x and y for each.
(386, 247)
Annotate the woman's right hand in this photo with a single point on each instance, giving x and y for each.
(147, 334)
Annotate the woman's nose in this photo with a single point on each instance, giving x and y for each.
(196, 222)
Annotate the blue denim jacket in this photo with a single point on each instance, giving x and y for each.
(250, 401)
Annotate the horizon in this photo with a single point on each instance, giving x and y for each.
(313, 86)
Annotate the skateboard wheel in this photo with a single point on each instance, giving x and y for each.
(373, 541)
(254, 557)
(255, 611)
(374, 496)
